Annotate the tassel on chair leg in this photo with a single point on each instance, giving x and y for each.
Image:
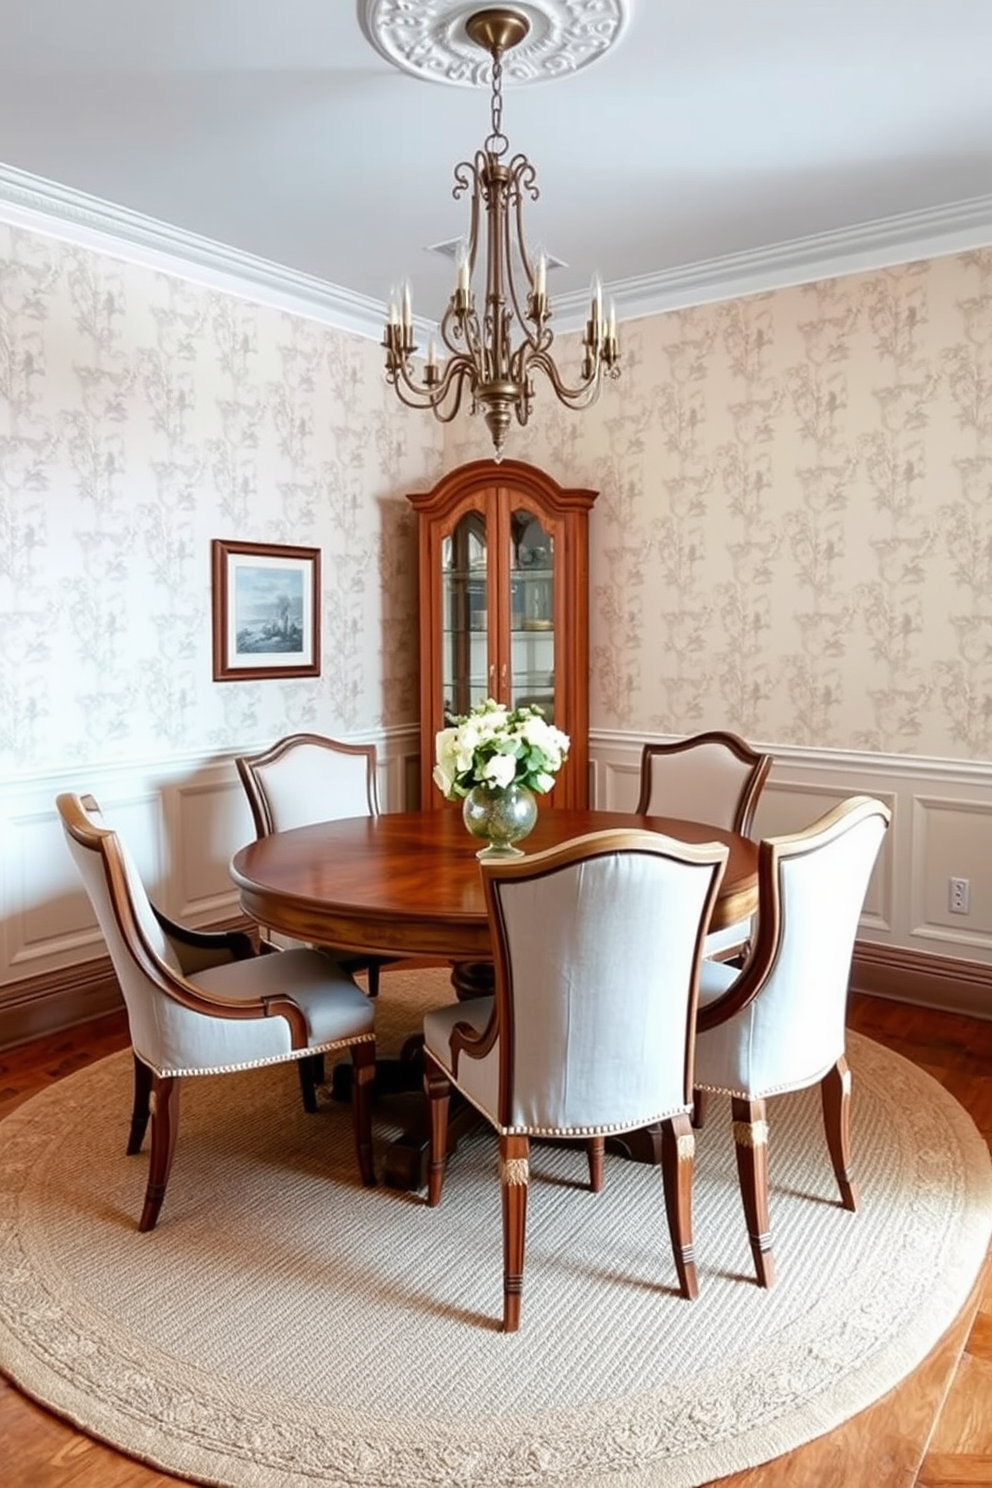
(514, 1174)
(678, 1148)
(751, 1147)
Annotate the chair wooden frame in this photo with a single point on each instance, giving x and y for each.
(724, 945)
(156, 1097)
(749, 1113)
(250, 769)
(468, 1042)
(759, 765)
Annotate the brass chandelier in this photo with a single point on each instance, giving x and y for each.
(482, 358)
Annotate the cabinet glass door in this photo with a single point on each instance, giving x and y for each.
(465, 608)
(532, 613)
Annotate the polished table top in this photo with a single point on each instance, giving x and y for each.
(408, 883)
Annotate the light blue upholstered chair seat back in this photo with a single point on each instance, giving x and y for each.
(714, 777)
(779, 1024)
(202, 1003)
(597, 946)
(307, 778)
(601, 973)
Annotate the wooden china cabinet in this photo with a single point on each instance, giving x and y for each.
(504, 580)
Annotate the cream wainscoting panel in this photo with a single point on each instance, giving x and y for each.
(952, 838)
(47, 918)
(207, 819)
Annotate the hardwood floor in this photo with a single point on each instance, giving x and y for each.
(882, 1447)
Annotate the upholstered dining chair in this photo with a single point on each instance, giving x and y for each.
(596, 946)
(202, 1003)
(713, 777)
(778, 1025)
(307, 778)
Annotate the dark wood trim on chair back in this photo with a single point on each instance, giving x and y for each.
(751, 787)
(250, 767)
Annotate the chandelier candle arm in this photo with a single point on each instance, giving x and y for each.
(483, 359)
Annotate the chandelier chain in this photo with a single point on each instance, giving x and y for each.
(497, 143)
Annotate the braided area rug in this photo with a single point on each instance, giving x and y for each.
(285, 1328)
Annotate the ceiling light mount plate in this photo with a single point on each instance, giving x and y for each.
(440, 42)
(497, 29)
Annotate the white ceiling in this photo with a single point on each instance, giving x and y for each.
(713, 130)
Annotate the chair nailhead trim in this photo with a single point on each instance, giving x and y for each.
(230, 1069)
(567, 1132)
(751, 1133)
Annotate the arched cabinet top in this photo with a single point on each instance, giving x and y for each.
(515, 475)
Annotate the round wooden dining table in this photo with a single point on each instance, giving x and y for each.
(408, 883)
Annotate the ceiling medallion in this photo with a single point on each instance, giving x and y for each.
(493, 342)
(431, 40)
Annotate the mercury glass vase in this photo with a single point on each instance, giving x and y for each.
(502, 815)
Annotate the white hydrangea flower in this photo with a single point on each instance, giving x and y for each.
(446, 756)
(495, 745)
(501, 770)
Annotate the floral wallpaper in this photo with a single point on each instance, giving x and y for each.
(142, 415)
(794, 533)
(793, 536)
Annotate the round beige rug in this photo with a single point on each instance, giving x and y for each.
(284, 1328)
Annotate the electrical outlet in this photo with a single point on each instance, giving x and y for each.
(958, 895)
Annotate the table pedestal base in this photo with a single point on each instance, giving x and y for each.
(406, 1160)
(392, 1076)
(643, 1145)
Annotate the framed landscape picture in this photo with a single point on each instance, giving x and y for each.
(266, 610)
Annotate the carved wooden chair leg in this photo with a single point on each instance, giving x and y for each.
(140, 1107)
(362, 1078)
(595, 1149)
(678, 1150)
(700, 1100)
(751, 1147)
(514, 1174)
(835, 1095)
(311, 1069)
(437, 1088)
(165, 1125)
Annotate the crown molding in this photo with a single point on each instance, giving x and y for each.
(58, 211)
(884, 243)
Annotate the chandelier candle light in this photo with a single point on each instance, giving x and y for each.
(493, 759)
(482, 356)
